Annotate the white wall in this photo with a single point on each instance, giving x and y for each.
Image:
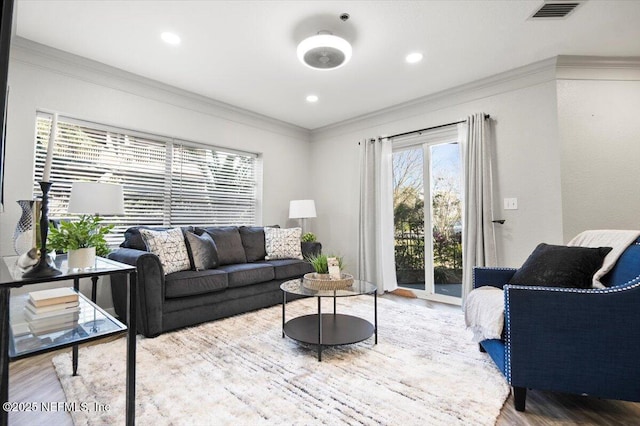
(600, 134)
(567, 145)
(526, 150)
(42, 79)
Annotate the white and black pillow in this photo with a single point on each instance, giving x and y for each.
(202, 251)
(282, 243)
(170, 248)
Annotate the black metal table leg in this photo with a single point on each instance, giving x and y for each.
(284, 303)
(319, 328)
(74, 349)
(5, 295)
(94, 289)
(375, 315)
(131, 350)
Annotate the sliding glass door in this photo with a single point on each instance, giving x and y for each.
(427, 202)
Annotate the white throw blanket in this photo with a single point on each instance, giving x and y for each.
(484, 313)
(484, 306)
(617, 239)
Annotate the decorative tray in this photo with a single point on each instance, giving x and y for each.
(315, 281)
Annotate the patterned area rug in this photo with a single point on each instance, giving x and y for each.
(425, 370)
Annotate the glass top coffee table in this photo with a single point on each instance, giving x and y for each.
(333, 328)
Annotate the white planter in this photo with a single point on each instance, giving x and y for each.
(82, 258)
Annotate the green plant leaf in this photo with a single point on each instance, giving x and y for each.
(73, 235)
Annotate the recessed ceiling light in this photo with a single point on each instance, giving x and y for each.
(170, 38)
(312, 98)
(413, 58)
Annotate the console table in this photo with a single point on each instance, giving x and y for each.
(14, 347)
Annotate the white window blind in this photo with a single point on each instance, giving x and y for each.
(207, 183)
(165, 183)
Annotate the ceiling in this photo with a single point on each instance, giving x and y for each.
(244, 52)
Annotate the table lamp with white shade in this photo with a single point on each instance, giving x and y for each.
(97, 199)
(302, 209)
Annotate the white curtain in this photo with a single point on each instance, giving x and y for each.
(376, 258)
(479, 245)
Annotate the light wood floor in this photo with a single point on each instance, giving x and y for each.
(34, 380)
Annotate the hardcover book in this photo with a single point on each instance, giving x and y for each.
(52, 296)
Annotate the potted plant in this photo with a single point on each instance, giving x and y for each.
(308, 237)
(83, 240)
(320, 264)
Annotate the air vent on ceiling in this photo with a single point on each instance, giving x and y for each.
(555, 9)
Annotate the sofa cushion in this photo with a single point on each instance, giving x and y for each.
(191, 283)
(560, 266)
(283, 243)
(289, 268)
(228, 243)
(170, 248)
(202, 251)
(133, 239)
(627, 267)
(253, 242)
(248, 273)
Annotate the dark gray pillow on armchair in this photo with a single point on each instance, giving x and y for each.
(560, 266)
(202, 251)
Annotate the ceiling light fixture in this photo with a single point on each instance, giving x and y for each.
(312, 98)
(413, 58)
(324, 51)
(170, 38)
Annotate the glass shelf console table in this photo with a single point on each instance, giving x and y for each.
(18, 341)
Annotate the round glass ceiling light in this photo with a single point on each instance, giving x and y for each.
(413, 58)
(170, 38)
(312, 98)
(324, 51)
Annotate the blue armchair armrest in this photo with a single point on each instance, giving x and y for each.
(574, 340)
(495, 277)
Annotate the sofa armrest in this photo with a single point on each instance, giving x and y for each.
(574, 340)
(151, 289)
(491, 276)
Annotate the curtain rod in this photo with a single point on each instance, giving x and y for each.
(486, 116)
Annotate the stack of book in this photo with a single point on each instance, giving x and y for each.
(52, 310)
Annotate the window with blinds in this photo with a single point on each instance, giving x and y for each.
(166, 182)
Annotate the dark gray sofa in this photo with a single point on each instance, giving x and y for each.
(185, 298)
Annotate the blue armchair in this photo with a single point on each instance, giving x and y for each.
(580, 341)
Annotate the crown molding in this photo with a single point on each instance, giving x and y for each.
(64, 63)
(518, 78)
(598, 68)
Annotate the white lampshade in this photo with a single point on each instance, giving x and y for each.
(302, 209)
(96, 198)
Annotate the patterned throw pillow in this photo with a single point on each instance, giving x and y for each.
(282, 243)
(170, 248)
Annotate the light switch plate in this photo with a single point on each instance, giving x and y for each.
(511, 204)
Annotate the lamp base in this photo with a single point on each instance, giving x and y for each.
(42, 269)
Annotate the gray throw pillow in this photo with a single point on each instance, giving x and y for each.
(228, 243)
(253, 242)
(202, 250)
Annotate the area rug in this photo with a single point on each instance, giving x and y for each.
(425, 370)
